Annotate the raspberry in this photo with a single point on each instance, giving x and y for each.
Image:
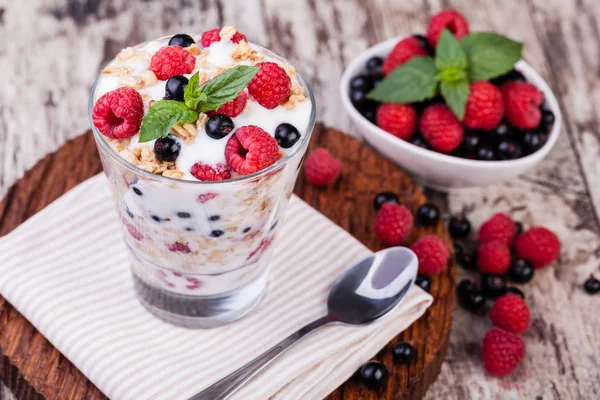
(402, 52)
(500, 227)
(393, 224)
(204, 197)
(251, 149)
(232, 108)
(493, 258)
(539, 246)
(205, 172)
(522, 102)
(271, 85)
(485, 107)
(502, 351)
(452, 20)
(209, 37)
(118, 114)
(179, 247)
(170, 61)
(398, 119)
(441, 128)
(510, 312)
(432, 254)
(321, 168)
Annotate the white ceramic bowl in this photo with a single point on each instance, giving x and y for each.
(437, 170)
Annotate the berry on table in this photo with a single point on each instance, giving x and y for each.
(211, 36)
(175, 87)
(511, 313)
(502, 352)
(206, 172)
(374, 65)
(432, 254)
(398, 119)
(485, 153)
(286, 135)
(403, 51)
(522, 102)
(485, 108)
(592, 285)
(251, 149)
(384, 197)
(118, 114)
(181, 40)
(539, 246)
(515, 290)
(218, 126)
(404, 353)
(167, 148)
(374, 374)
(500, 227)
(428, 214)
(493, 285)
(271, 85)
(509, 149)
(321, 168)
(232, 108)
(423, 282)
(170, 61)
(493, 258)
(393, 224)
(469, 296)
(520, 271)
(533, 141)
(459, 227)
(452, 20)
(441, 128)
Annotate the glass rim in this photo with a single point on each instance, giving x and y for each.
(137, 170)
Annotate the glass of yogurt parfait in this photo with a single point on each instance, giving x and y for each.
(201, 139)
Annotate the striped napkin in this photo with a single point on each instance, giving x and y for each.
(66, 270)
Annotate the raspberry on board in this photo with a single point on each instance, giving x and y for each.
(493, 258)
(232, 108)
(452, 20)
(398, 119)
(403, 51)
(271, 86)
(500, 227)
(539, 245)
(211, 36)
(393, 224)
(522, 103)
(485, 107)
(502, 352)
(118, 114)
(321, 168)
(206, 172)
(251, 149)
(170, 61)
(511, 313)
(440, 127)
(432, 254)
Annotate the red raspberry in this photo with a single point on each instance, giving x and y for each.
(271, 85)
(452, 20)
(205, 172)
(393, 224)
(539, 246)
(321, 168)
(232, 108)
(402, 52)
(432, 254)
(118, 114)
(522, 102)
(179, 247)
(398, 119)
(170, 61)
(209, 37)
(485, 107)
(204, 197)
(493, 258)
(251, 149)
(502, 351)
(500, 227)
(510, 312)
(441, 128)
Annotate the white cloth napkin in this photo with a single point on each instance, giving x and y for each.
(66, 270)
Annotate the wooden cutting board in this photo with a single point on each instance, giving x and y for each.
(34, 369)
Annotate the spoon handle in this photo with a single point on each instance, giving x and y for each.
(224, 388)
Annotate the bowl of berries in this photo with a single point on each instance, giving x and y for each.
(455, 108)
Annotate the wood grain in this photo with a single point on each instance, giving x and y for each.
(42, 371)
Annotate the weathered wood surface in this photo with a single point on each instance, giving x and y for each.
(52, 49)
(43, 370)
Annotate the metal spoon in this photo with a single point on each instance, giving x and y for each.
(365, 292)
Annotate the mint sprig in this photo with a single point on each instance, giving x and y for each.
(478, 56)
(164, 114)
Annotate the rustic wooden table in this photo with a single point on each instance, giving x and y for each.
(51, 51)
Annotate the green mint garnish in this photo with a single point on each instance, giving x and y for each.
(164, 114)
(478, 56)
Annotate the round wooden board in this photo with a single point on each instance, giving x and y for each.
(33, 368)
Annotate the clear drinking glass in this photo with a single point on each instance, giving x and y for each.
(200, 251)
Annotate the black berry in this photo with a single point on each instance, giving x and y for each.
(374, 374)
(189, 229)
(129, 213)
(512, 75)
(428, 214)
(466, 256)
(404, 353)
(371, 115)
(501, 132)
(167, 148)
(137, 191)
(217, 233)
(214, 217)
(509, 149)
(485, 153)
(184, 214)
(219, 126)
(362, 83)
(547, 121)
(246, 230)
(384, 197)
(532, 141)
(520, 271)
(493, 285)
(286, 135)
(374, 65)
(156, 218)
(469, 296)
(516, 291)
(419, 140)
(175, 87)
(459, 227)
(470, 143)
(360, 101)
(423, 282)
(424, 43)
(592, 285)
(181, 39)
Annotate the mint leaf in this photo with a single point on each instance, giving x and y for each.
(409, 83)
(490, 55)
(449, 54)
(224, 87)
(456, 93)
(162, 116)
(192, 95)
